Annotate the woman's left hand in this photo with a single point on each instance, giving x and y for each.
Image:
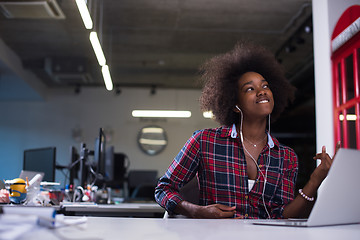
(322, 170)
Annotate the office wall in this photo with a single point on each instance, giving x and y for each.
(326, 13)
(52, 122)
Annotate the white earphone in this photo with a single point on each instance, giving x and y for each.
(241, 135)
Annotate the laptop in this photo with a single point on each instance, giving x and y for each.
(33, 177)
(338, 200)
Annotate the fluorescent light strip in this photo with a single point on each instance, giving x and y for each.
(349, 117)
(97, 48)
(85, 15)
(161, 113)
(107, 78)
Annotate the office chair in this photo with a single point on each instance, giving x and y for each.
(143, 192)
(141, 184)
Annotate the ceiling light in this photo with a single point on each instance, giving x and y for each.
(107, 78)
(349, 117)
(308, 29)
(208, 114)
(85, 15)
(161, 113)
(97, 48)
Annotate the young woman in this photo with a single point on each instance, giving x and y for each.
(243, 171)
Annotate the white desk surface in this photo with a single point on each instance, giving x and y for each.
(158, 229)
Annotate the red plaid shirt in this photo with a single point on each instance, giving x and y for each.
(219, 162)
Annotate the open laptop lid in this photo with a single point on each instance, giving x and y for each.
(34, 177)
(338, 196)
(338, 199)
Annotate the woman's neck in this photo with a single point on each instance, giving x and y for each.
(253, 130)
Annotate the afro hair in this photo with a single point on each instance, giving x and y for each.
(221, 73)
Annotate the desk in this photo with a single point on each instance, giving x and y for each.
(114, 210)
(187, 229)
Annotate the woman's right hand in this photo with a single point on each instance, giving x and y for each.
(211, 211)
(215, 211)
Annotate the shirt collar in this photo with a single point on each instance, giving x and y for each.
(233, 134)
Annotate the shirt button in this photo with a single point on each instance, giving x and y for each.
(246, 197)
(246, 215)
(260, 165)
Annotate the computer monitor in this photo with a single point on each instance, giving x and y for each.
(99, 153)
(74, 166)
(109, 164)
(41, 160)
(116, 165)
(121, 165)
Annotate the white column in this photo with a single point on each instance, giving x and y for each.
(323, 76)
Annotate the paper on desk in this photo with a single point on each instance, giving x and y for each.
(16, 221)
(13, 226)
(44, 215)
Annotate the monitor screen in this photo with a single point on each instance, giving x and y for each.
(116, 168)
(41, 160)
(99, 153)
(109, 164)
(74, 164)
(120, 166)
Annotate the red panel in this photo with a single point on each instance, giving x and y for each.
(357, 112)
(336, 101)
(356, 85)
(356, 72)
(344, 97)
(336, 89)
(343, 81)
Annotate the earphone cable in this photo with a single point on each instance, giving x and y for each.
(267, 164)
